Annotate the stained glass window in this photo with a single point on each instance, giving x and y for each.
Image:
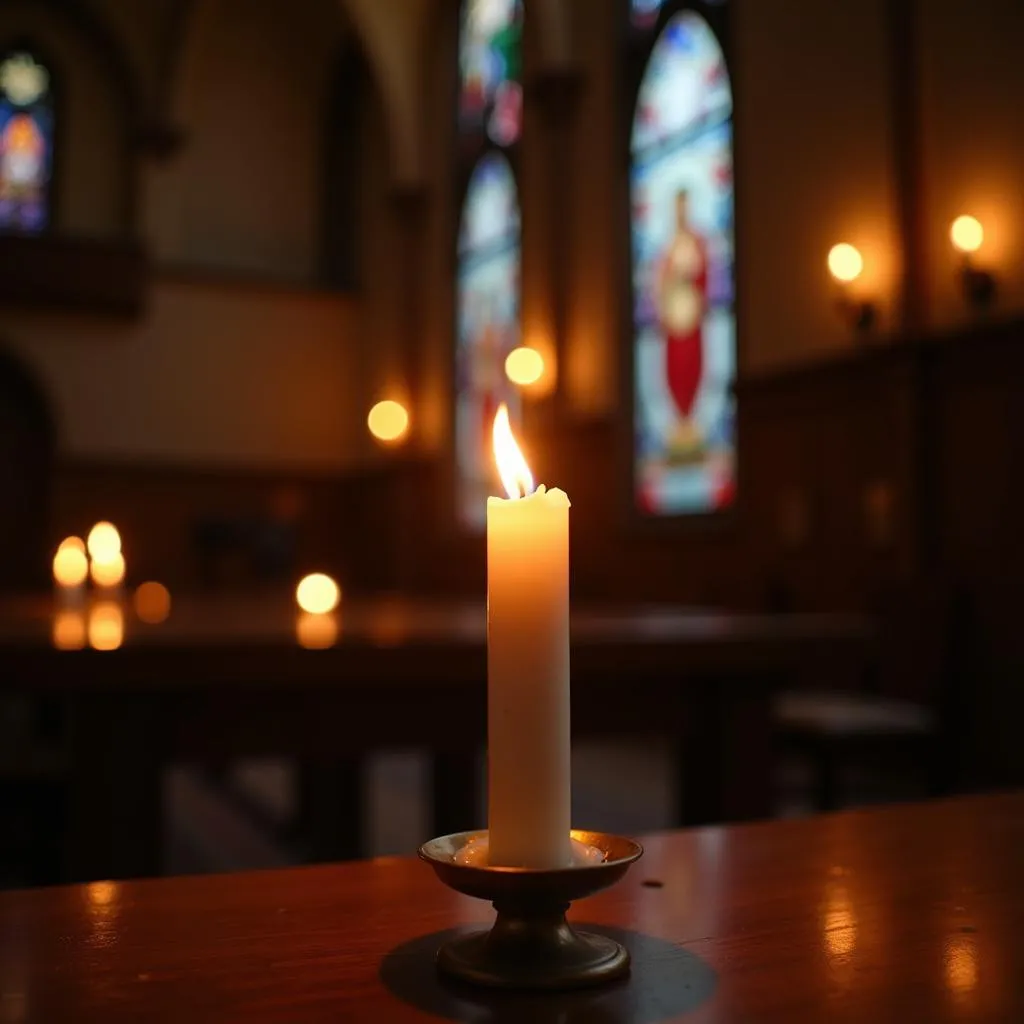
(644, 13)
(683, 274)
(487, 327)
(490, 118)
(26, 142)
(490, 80)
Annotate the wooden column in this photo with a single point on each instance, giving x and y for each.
(908, 164)
(406, 505)
(556, 93)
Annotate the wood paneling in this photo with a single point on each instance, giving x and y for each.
(63, 274)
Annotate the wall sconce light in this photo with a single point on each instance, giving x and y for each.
(388, 421)
(979, 286)
(845, 264)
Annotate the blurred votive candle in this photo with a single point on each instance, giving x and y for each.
(317, 596)
(70, 571)
(107, 562)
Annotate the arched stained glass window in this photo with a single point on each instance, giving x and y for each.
(684, 328)
(644, 13)
(490, 79)
(26, 142)
(487, 326)
(487, 278)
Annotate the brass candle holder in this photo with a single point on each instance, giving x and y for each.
(532, 945)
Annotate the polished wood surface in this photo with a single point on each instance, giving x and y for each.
(905, 914)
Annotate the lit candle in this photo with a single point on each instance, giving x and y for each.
(107, 566)
(527, 666)
(70, 569)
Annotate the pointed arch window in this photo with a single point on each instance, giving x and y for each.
(681, 220)
(27, 117)
(487, 322)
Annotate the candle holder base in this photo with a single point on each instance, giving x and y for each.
(531, 945)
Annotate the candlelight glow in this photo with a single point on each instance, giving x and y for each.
(68, 633)
(101, 894)
(515, 474)
(317, 594)
(152, 602)
(966, 234)
(106, 626)
(70, 566)
(839, 922)
(388, 421)
(104, 542)
(316, 632)
(845, 262)
(108, 573)
(961, 964)
(72, 542)
(524, 366)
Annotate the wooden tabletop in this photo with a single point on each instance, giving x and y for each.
(902, 914)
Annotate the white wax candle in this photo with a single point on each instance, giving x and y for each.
(528, 680)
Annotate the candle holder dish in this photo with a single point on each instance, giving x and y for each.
(531, 945)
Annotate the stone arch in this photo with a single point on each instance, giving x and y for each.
(250, 202)
(60, 27)
(96, 34)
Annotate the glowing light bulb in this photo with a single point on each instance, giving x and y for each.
(966, 234)
(524, 366)
(317, 594)
(845, 262)
(388, 421)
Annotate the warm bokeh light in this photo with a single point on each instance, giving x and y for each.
(961, 963)
(72, 542)
(106, 626)
(68, 632)
(104, 542)
(388, 421)
(70, 566)
(103, 902)
(515, 474)
(152, 602)
(101, 894)
(845, 262)
(317, 593)
(524, 366)
(109, 573)
(966, 233)
(316, 632)
(839, 922)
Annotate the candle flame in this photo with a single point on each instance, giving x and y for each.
(512, 468)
